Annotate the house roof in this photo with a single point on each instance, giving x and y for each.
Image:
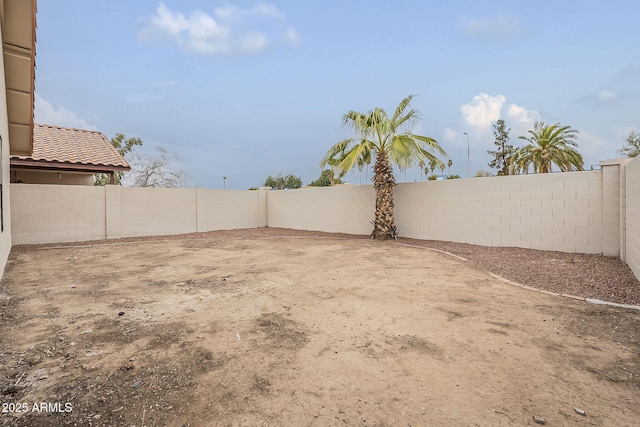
(56, 147)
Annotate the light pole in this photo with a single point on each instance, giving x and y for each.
(224, 182)
(468, 157)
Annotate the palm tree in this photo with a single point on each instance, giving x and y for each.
(449, 163)
(548, 145)
(432, 167)
(421, 165)
(389, 140)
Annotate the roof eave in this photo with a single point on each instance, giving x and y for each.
(17, 163)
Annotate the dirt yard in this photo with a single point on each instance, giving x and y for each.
(306, 331)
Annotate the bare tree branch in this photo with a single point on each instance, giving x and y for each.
(155, 170)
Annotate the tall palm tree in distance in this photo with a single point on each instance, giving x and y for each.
(548, 145)
(389, 140)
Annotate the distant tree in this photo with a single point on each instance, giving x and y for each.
(631, 148)
(453, 177)
(548, 145)
(421, 165)
(441, 166)
(482, 174)
(280, 182)
(432, 166)
(449, 163)
(155, 170)
(124, 147)
(503, 151)
(325, 179)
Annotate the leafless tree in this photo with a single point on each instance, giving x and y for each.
(155, 170)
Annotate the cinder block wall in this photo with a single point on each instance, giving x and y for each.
(226, 209)
(340, 209)
(560, 212)
(571, 212)
(42, 213)
(632, 189)
(155, 211)
(61, 213)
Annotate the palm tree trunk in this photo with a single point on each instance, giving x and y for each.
(383, 183)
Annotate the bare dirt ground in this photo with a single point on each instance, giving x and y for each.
(283, 328)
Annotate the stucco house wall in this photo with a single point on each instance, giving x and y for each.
(5, 233)
(45, 177)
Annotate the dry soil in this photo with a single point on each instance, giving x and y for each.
(288, 329)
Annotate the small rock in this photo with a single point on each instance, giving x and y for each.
(580, 412)
(121, 313)
(136, 384)
(13, 389)
(539, 420)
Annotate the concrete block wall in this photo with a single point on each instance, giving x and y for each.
(560, 212)
(56, 213)
(340, 209)
(61, 213)
(157, 212)
(632, 217)
(226, 209)
(611, 209)
(586, 212)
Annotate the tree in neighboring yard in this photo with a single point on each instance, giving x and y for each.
(123, 146)
(280, 182)
(432, 167)
(482, 174)
(155, 170)
(631, 148)
(326, 179)
(503, 151)
(548, 145)
(449, 163)
(389, 140)
(421, 165)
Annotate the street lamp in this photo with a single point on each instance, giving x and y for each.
(224, 182)
(468, 157)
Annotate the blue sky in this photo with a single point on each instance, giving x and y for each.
(244, 89)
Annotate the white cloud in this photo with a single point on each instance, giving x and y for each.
(46, 113)
(520, 119)
(501, 27)
(229, 30)
(482, 110)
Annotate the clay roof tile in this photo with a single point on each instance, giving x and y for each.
(76, 146)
